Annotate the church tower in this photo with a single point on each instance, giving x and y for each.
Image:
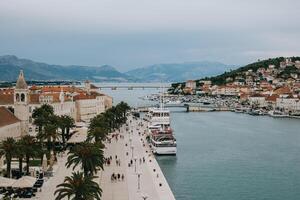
(21, 103)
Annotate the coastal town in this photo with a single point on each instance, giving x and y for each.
(54, 136)
(273, 90)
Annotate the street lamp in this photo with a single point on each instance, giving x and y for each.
(139, 180)
(135, 158)
(132, 147)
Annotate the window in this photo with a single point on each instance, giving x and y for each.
(17, 97)
(22, 97)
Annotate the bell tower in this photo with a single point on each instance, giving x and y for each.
(21, 103)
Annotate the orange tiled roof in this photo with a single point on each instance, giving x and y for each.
(272, 97)
(7, 117)
(282, 90)
(6, 99)
(50, 89)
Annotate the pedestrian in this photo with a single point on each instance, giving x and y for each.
(131, 162)
(122, 177)
(119, 176)
(112, 177)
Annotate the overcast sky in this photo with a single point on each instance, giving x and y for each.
(134, 33)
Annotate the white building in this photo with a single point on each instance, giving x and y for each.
(257, 100)
(10, 125)
(191, 84)
(289, 104)
(89, 105)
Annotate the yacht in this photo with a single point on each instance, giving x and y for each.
(163, 142)
(161, 137)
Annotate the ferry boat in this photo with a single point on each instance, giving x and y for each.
(161, 137)
(163, 142)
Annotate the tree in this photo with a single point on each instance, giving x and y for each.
(98, 129)
(78, 187)
(65, 122)
(50, 132)
(19, 153)
(42, 115)
(30, 149)
(7, 148)
(88, 155)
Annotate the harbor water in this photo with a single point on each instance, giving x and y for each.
(229, 156)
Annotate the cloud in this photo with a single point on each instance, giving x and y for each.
(130, 33)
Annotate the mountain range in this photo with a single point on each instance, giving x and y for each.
(179, 71)
(10, 66)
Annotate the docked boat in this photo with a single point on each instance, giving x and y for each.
(161, 137)
(163, 142)
(278, 114)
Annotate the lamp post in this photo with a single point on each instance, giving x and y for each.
(135, 158)
(132, 147)
(144, 196)
(139, 180)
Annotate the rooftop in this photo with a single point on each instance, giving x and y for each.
(7, 117)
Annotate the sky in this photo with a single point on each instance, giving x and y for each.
(129, 34)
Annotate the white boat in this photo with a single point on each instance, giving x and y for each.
(277, 114)
(161, 135)
(163, 142)
(158, 117)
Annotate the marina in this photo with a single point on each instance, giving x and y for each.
(227, 155)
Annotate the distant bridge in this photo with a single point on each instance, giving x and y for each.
(190, 107)
(131, 87)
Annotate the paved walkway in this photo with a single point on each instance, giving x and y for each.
(59, 173)
(132, 147)
(153, 184)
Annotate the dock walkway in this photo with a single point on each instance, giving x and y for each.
(153, 185)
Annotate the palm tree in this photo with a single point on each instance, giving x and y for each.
(65, 122)
(88, 155)
(98, 133)
(30, 149)
(19, 153)
(78, 187)
(69, 123)
(7, 148)
(98, 129)
(51, 135)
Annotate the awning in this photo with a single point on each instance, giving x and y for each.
(6, 182)
(24, 182)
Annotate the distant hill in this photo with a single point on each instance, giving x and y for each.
(11, 65)
(221, 79)
(178, 71)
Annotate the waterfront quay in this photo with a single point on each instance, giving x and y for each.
(140, 175)
(132, 157)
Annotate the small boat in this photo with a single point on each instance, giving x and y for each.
(278, 114)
